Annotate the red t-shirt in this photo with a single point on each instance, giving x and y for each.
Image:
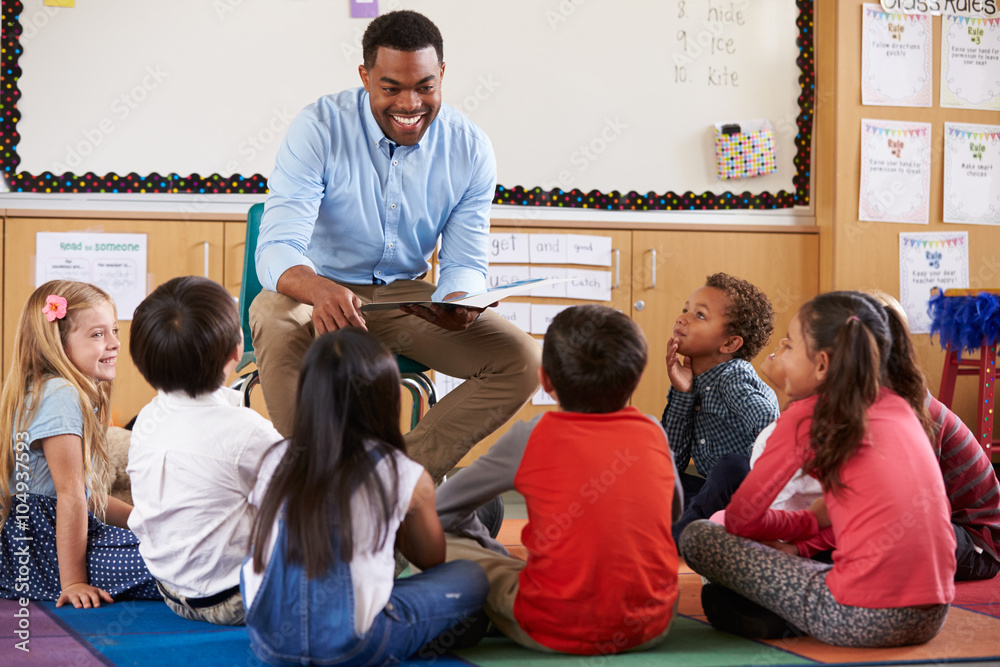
(891, 525)
(602, 565)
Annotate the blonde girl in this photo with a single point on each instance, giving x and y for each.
(54, 413)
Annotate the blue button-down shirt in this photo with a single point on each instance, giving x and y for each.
(347, 205)
(727, 407)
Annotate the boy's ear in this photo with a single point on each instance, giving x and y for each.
(732, 344)
(543, 378)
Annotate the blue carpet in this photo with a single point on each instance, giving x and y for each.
(149, 634)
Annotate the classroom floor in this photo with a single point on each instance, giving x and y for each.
(147, 633)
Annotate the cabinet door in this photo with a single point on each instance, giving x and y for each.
(621, 271)
(175, 248)
(667, 266)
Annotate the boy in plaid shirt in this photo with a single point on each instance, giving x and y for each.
(717, 403)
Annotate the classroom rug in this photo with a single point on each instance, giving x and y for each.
(148, 633)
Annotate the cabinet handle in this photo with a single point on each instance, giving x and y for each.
(652, 251)
(618, 267)
(205, 244)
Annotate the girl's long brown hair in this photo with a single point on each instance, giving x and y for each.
(347, 408)
(856, 337)
(902, 373)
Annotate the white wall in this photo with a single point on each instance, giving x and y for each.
(573, 93)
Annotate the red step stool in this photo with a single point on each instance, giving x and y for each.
(985, 368)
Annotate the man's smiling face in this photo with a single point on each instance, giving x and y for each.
(405, 92)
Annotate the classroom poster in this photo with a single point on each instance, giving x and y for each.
(114, 262)
(926, 261)
(895, 171)
(896, 66)
(972, 174)
(970, 62)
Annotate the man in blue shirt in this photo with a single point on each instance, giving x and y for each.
(365, 184)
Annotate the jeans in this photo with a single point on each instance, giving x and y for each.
(971, 565)
(296, 620)
(714, 494)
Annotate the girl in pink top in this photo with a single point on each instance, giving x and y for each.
(883, 498)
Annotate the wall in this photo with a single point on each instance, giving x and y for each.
(857, 254)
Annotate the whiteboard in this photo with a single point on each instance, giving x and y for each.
(574, 94)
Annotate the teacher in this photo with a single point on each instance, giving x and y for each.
(365, 184)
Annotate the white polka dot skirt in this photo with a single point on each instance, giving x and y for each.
(29, 566)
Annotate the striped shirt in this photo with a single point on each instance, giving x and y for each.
(969, 479)
(727, 407)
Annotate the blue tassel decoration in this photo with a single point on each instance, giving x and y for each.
(965, 322)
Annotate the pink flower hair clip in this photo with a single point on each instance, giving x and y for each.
(55, 307)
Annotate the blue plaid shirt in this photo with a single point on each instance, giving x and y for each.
(726, 409)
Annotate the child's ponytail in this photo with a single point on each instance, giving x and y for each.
(902, 373)
(856, 337)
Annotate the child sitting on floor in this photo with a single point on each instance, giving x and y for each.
(54, 415)
(331, 502)
(195, 449)
(601, 490)
(717, 403)
(892, 579)
(969, 479)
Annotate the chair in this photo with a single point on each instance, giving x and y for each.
(964, 320)
(413, 375)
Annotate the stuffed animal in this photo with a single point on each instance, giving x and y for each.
(118, 442)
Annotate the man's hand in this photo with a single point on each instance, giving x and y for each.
(334, 306)
(452, 318)
(681, 375)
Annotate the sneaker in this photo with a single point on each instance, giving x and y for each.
(731, 612)
(491, 515)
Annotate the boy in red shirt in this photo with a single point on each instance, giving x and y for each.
(601, 492)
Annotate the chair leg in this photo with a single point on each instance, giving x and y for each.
(946, 394)
(245, 385)
(987, 379)
(417, 396)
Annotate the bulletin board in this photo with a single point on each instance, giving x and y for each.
(588, 104)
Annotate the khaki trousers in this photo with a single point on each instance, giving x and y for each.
(504, 575)
(498, 361)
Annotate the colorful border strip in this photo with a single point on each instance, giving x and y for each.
(20, 181)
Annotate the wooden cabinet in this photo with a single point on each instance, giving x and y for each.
(668, 266)
(621, 242)
(175, 248)
(653, 273)
(660, 269)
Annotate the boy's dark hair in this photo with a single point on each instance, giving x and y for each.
(401, 31)
(183, 333)
(749, 313)
(594, 357)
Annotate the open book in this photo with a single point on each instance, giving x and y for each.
(476, 300)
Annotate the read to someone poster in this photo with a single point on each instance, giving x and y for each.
(926, 261)
(972, 174)
(895, 171)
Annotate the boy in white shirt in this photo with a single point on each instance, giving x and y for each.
(195, 450)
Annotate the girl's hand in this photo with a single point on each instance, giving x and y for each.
(787, 547)
(681, 375)
(82, 595)
(819, 509)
